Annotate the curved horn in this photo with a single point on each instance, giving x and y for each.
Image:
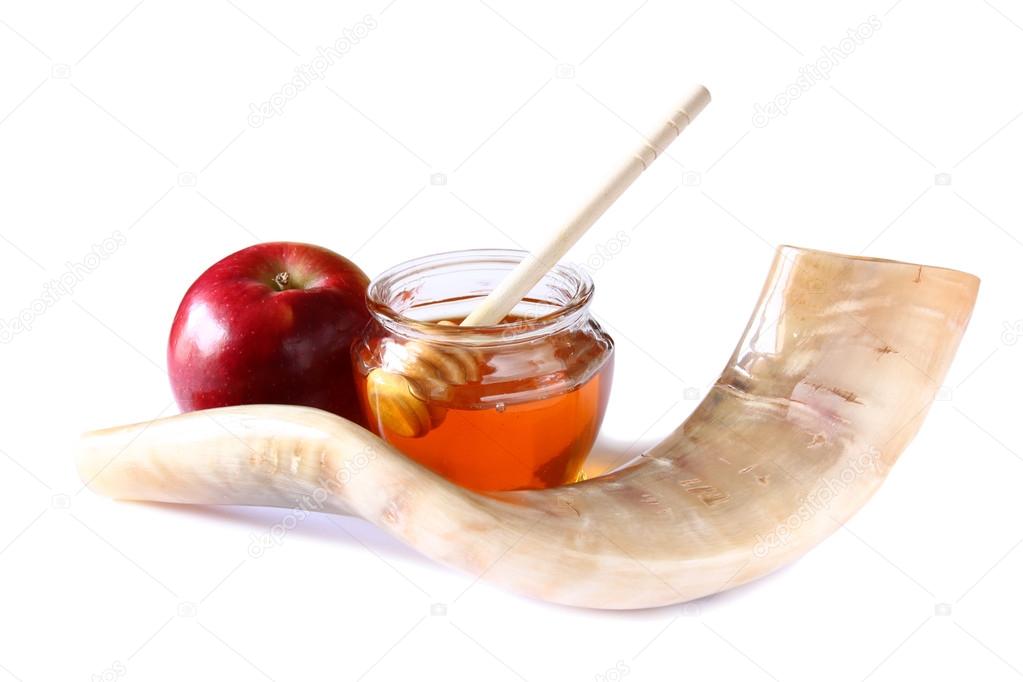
(832, 378)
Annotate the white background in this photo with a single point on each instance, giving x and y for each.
(135, 118)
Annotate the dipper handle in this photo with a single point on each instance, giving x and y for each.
(496, 306)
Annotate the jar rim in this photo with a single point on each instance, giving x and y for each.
(385, 288)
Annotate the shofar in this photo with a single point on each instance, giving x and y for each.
(832, 378)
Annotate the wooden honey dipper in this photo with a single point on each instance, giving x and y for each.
(399, 401)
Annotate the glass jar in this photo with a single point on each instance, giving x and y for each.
(510, 406)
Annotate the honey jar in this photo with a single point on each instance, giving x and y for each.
(510, 406)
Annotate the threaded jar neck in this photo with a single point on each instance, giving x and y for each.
(412, 297)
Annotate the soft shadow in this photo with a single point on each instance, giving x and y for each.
(316, 526)
(352, 532)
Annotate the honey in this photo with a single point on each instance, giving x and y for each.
(527, 401)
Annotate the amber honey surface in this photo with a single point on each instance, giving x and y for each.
(529, 422)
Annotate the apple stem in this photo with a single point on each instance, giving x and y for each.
(281, 280)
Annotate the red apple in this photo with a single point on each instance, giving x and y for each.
(272, 323)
